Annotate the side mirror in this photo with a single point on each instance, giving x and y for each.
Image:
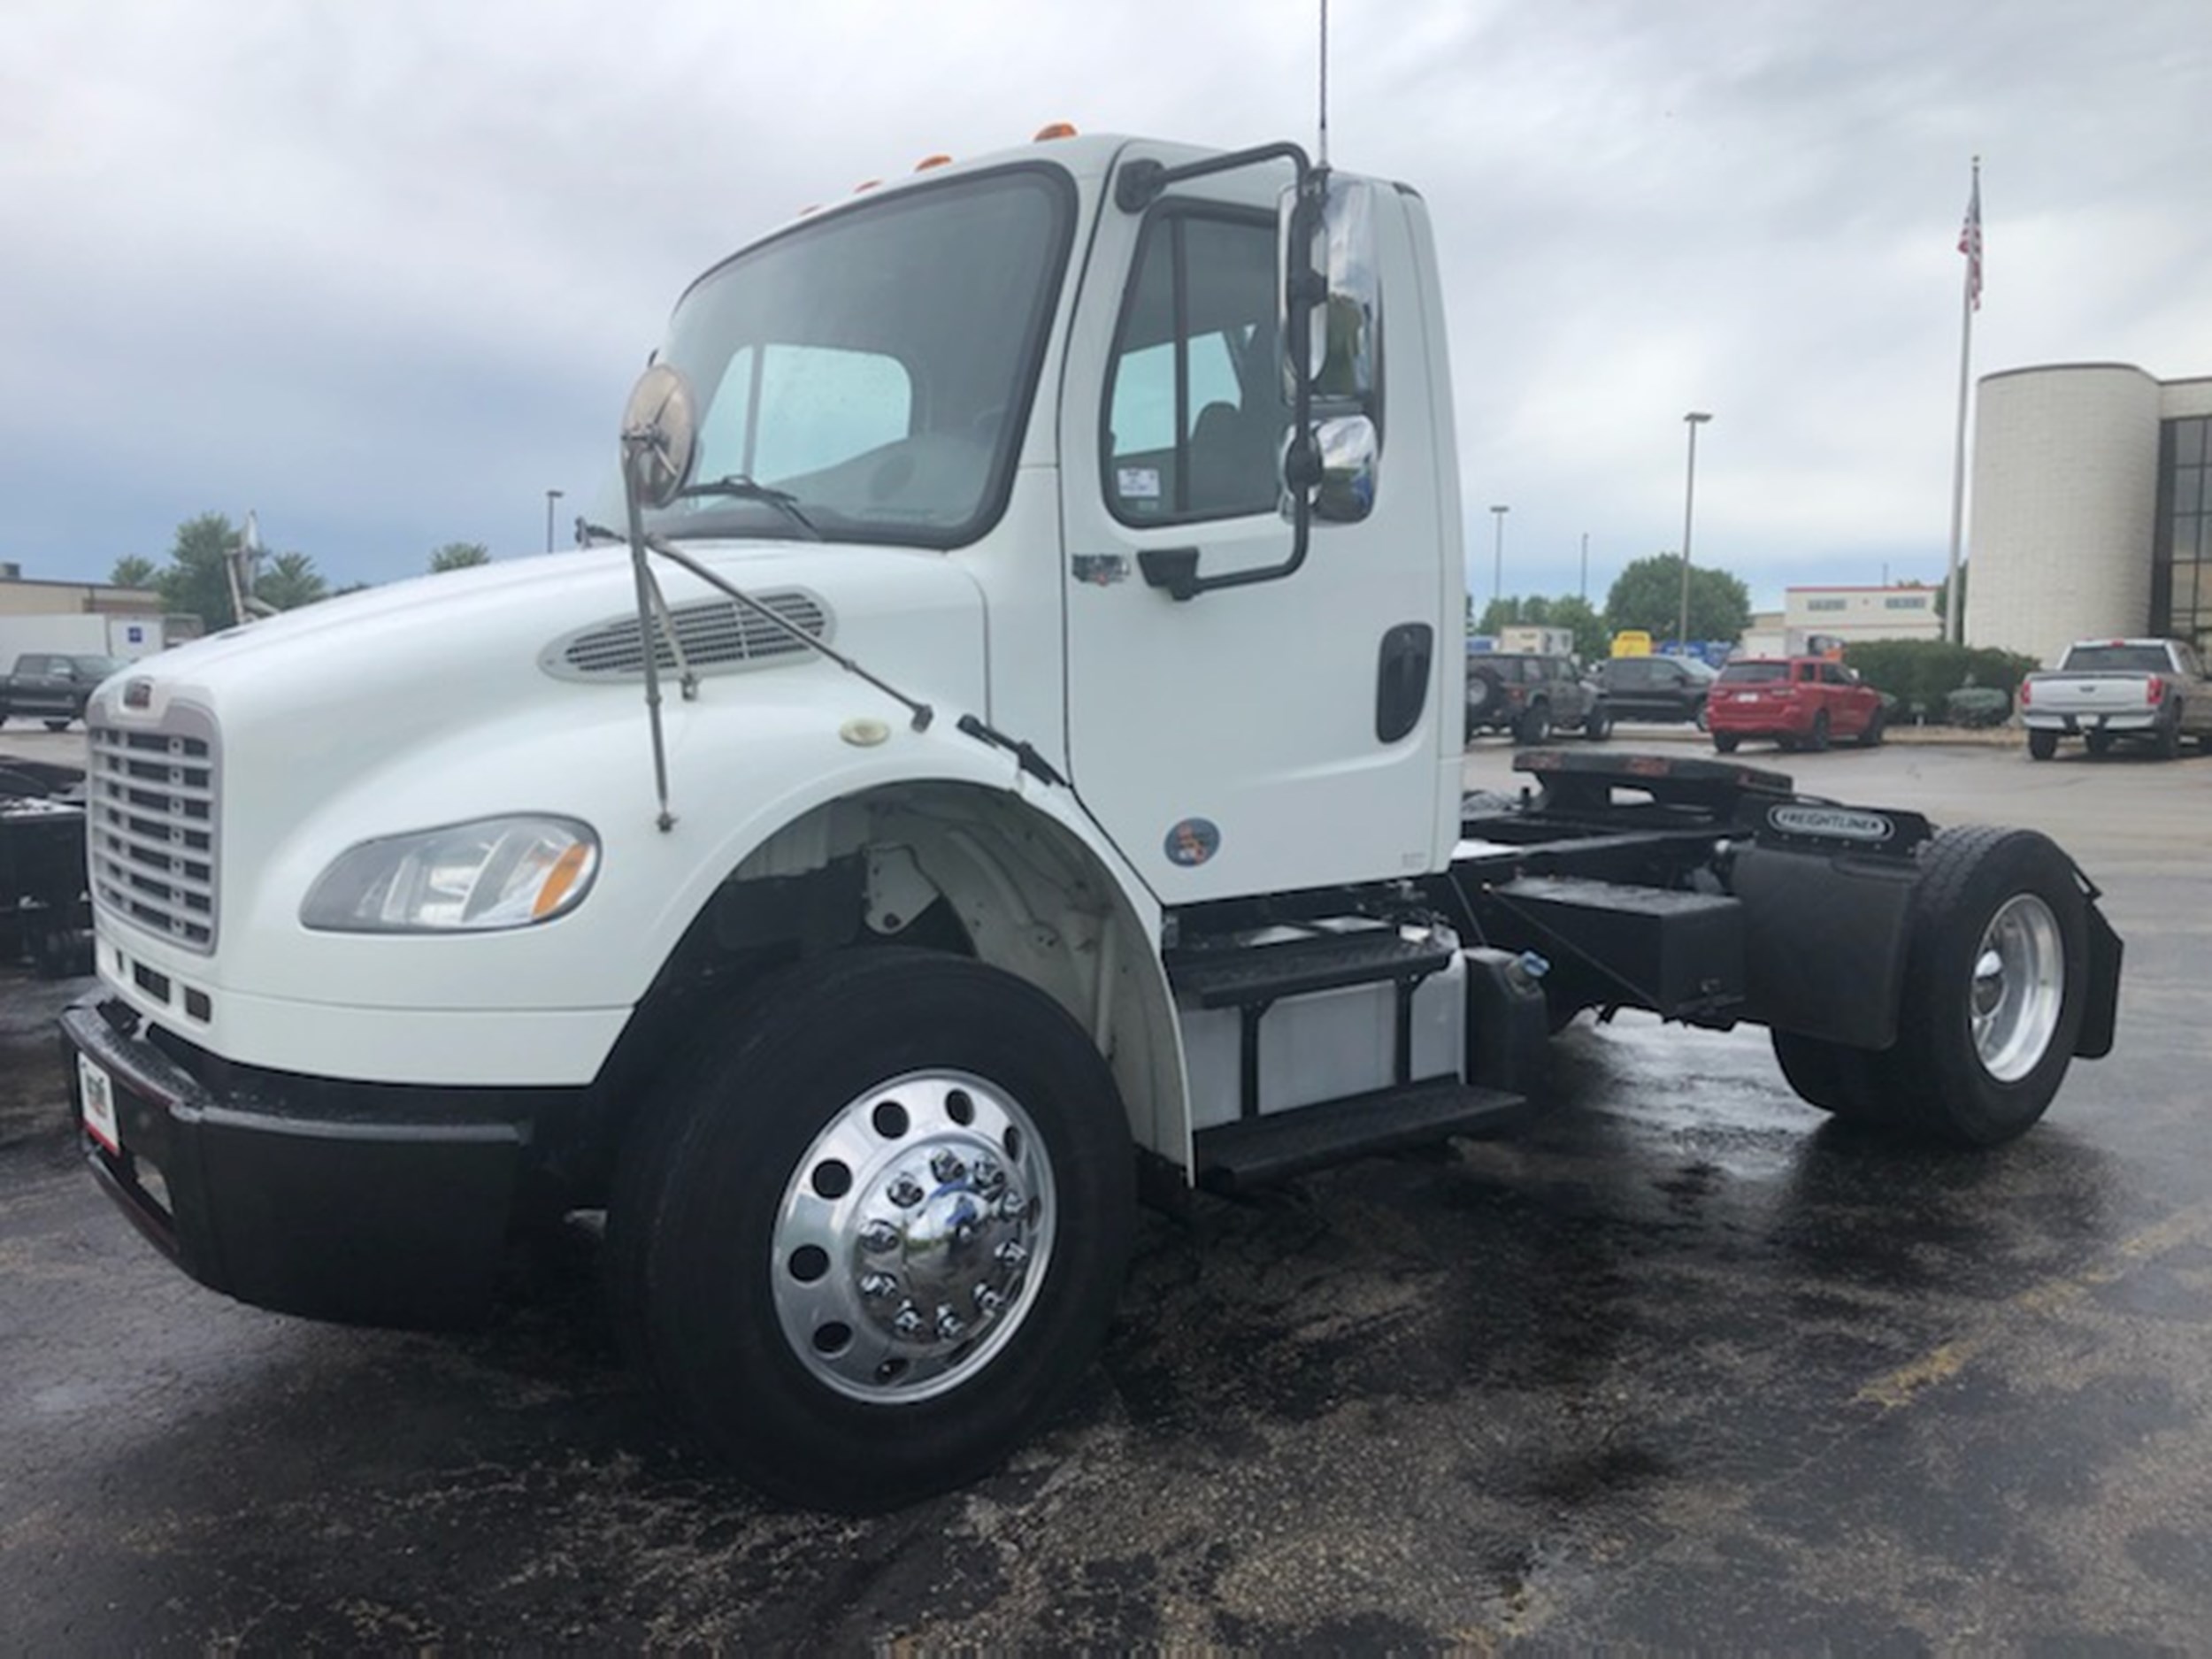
(660, 436)
(1336, 268)
(1347, 448)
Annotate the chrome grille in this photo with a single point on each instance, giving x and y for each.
(715, 633)
(151, 806)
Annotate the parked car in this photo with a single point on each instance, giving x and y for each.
(52, 686)
(1654, 687)
(1800, 702)
(1532, 694)
(2151, 691)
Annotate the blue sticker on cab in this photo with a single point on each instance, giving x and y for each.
(1193, 842)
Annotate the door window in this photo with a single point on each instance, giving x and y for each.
(1195, 410)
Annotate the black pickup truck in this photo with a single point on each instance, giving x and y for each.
(52, 686)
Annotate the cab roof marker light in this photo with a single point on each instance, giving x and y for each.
(927, 162)
(1054, 129)
(865, 185)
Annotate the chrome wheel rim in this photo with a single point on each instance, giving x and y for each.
(913, 1237)
(2019, 987)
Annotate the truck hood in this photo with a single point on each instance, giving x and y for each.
(376, 670)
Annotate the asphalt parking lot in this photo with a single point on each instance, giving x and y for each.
(1682, 1367)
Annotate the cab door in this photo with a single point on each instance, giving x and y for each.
(1259, 738)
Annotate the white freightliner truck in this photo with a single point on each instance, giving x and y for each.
(1008, 748)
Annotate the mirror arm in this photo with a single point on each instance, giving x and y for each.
(1138, 184)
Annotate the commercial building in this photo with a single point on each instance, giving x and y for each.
(88, 619)
(2091, 517)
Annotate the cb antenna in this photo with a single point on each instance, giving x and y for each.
(1321, 149)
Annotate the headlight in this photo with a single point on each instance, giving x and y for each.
(467, 878)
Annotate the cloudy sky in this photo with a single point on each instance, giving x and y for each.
(383, 270)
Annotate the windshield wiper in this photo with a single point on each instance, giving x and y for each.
(738, 487)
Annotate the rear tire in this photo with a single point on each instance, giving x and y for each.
(56, 726)
(1816, 739)
(871, 1238)
(1996, 981)
(1842, 1081)
(1871, 737)
(2042, 745)
(1724, 742)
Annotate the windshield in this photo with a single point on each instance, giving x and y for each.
(96, 667)
(868, 377)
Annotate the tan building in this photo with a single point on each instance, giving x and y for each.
(90, 619)
(1849, 615)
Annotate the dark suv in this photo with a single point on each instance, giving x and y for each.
(1655, 687)
(52, 686)
(1532, 696)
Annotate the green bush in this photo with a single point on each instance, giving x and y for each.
(1921, 674)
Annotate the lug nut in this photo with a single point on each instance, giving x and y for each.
(945, 1166)
(876, 1287)
(1011, 1206)
(908, 1321)
(987, 1301)
(985, 1176)
(877, 1237)
(905, 1192)
(1011, 1256)
(950, 1325)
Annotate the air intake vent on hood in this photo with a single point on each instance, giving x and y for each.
(718, 635)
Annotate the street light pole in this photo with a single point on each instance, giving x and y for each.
(1497, 558)
(551, 496)
(1586, 567)
(1695, 418)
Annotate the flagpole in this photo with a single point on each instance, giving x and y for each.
(1970, 298)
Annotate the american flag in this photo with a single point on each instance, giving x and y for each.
(1970, 243)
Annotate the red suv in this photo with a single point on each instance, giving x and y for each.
(1800, 702)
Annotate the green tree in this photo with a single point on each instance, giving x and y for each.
(456, 556)
(133, 571)
(1648, 595)
(195, 582)
(1568, 611)
(290, 581)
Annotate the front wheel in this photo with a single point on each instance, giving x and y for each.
(2098, 743)
(2169, 737)
(56, 726)
(1816, 739)
(874, 1236)
(2042, 745)
(1872, 736)
(1597, 725)
(1535, 726)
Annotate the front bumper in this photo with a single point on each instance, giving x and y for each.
(364, 1204)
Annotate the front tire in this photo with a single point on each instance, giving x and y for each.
(2098, 743)
(1597, 725)
(876, 1234)
(2169, 737)
(1535, 726)
(1816, 739)
(1876, 727)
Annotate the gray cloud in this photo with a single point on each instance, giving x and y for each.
(384, 272)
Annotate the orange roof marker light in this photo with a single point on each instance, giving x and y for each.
(927, 162)
(1057, 129)
(866, 184)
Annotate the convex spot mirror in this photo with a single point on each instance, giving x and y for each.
(1346, 448)
(660, 436)
(1342, 358)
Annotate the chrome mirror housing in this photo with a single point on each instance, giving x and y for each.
(660, 436)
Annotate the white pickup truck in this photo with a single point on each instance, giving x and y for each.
(2150, 691)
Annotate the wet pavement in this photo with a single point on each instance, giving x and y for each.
(1682, 1366)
